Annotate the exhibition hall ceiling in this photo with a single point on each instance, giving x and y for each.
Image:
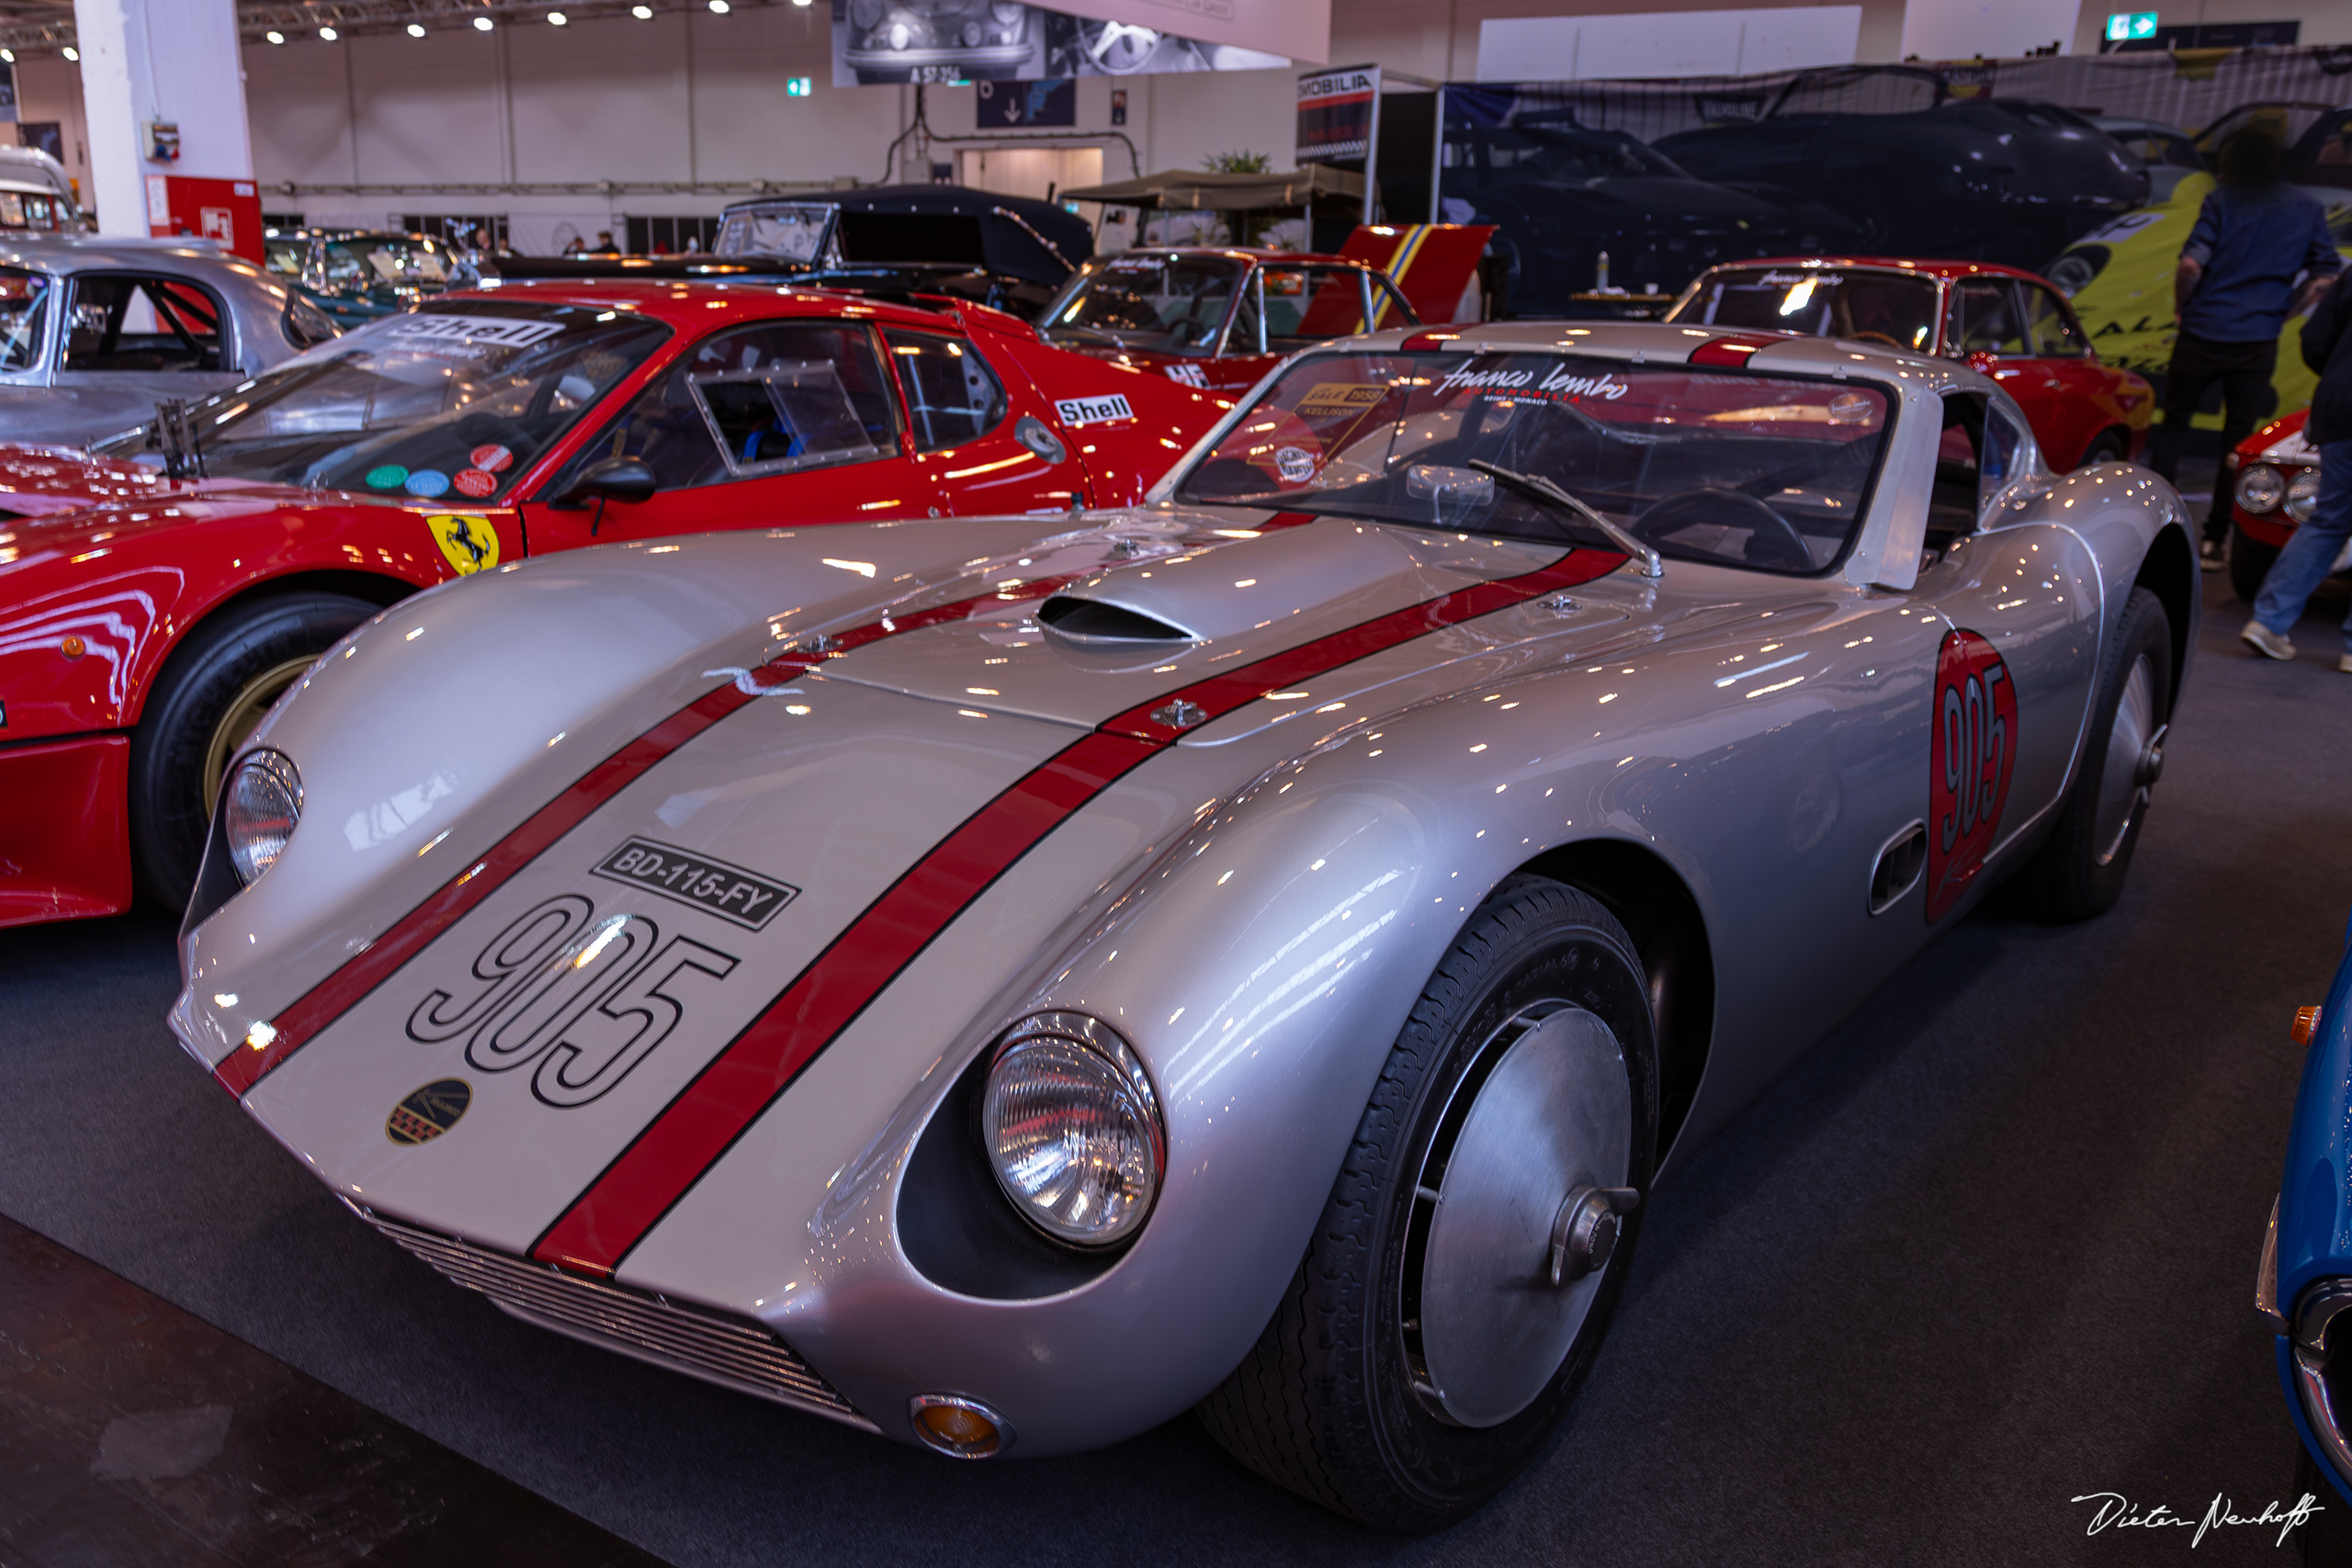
(37, 24)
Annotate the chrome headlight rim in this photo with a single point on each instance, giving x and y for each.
(2302, 494)
(2260, 489)
(247, 838)
(2314, 1313)
(1089, 1035)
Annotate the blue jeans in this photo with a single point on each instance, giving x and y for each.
(2304, 561)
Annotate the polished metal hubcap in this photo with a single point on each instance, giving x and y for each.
(242, 717)
(2134, 759)
(1524, 1189)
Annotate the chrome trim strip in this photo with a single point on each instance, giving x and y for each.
(2266, 1277)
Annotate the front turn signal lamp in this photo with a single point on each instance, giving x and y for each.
(264, 804)
(959, 1428)
(1072, 1129)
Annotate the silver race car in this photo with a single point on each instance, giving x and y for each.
(999, 984)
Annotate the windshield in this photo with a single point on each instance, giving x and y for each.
(792, 229)
(1894, 309)
(1152, 300)
(384, 261)
(1566, 154)
(1767, 472)
(456, 399)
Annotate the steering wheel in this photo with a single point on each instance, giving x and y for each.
(1876, 337)
(1773, 541)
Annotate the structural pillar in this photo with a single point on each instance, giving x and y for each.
(164, 86)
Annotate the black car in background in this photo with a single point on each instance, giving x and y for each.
(1922, 170)
(1563, 195)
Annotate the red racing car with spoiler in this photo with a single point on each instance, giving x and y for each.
(159, 592)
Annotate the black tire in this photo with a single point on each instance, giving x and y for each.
(2107, 447)
(2250, 562)
(1326, 1402)
(215, 687)
(2080, 870)
(2326, 1538)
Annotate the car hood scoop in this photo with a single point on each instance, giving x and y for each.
(1178, 613)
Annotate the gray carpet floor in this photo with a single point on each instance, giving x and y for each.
(1989, 1248)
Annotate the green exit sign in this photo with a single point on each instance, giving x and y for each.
(2125, 25)
(798, 86)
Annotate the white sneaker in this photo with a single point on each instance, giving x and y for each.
(2267, 643)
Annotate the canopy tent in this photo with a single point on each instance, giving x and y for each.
(1184, 190)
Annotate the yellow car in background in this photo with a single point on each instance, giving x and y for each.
(2119, 280)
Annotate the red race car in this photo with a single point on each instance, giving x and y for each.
(2275, 487)
(1218, 318)
(158, 593)
(2008, 323)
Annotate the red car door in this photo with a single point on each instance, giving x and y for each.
(2079, 400)
(1991, 322)
(968, 415)
(776, 423)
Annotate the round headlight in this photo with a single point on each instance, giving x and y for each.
(1072, 1129)
(265, 803)
(2302, 494)
(2260, 489)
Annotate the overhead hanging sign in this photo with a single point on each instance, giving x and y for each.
(1335, 113)
(876, 42)
(1296, 30)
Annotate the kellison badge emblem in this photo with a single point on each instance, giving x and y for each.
(429, 1111)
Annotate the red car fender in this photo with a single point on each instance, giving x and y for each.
(81, 642)
(2272, 528)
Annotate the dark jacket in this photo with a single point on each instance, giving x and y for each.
(2327, 348)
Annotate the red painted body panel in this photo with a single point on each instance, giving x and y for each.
(2070, 402)
(105, 565)
(64, 847)
(2272, 528)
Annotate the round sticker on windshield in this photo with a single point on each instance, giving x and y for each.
(490, 459)
(1295, 464)
(428, 483)
(474, 483)
(388, 477)
(1852, 408)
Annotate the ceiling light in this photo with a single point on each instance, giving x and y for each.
(275, 37)
(642, 13)
(556, 18)
(481, 24)
(327, 33)
(9, 55)
(719, 7)
(415, 31)
(71, 52)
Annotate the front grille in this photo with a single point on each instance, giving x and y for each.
(733, 1352)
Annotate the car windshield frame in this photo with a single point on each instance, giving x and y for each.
(487, 349)
(1051, 320)
(1696, 308)
(1392, 448)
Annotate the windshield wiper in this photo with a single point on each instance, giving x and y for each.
(1535, 487)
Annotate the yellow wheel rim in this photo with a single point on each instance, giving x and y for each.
(242, 717)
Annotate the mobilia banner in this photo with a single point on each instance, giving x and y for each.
(1335, 109)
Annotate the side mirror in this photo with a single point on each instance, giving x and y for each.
(610, 479)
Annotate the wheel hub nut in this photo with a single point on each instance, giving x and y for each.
(2151, 761)
(1585, 1232)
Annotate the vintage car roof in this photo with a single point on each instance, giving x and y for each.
(697, 302)
(1940, 269)
(62, 253)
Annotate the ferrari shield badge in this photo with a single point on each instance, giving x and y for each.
(429, 1111)
(1974, 750)
(471, 544)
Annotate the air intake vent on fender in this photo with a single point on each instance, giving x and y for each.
(1090, 620)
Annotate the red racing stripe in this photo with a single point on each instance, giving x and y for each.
(665, 1160)
(301, 1022)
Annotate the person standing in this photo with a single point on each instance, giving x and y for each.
(2306, 559)
(2235, 288)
